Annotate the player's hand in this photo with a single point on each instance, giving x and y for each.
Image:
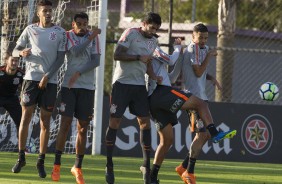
(43, 82)
(159, 79)
(26, 52)
(177, 41)
(73, 78)
(146, 59)
(212, 52)
(95, 32)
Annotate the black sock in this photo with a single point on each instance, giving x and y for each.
(191, 165)
(110, 144)
(145, 141)
(155, 172)
(21, 155)
(185, 162)
(212, 129)
(41, 158)
(58, 155)
(78, 161)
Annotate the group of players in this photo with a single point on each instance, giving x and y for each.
(139, 61)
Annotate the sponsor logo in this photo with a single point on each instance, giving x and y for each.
(175, 106)
(25, 98)
(62, 107)
(257, 134)
(19, 74)
(113, 108)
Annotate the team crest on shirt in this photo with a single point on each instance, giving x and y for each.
(25, 98)
(53, 36)
(113, 108)
(62, 107)
(150, 45)
(16, 81)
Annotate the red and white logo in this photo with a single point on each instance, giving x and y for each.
(257, 134)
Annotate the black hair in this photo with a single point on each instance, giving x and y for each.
(200, 28)
(44, 3)
(152, 18)
(81, 15)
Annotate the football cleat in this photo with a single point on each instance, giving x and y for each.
(56, 173)
(41, 170)
(109, 175)
(224, 135)
(77, 173)
(18, 166)
(146, 175)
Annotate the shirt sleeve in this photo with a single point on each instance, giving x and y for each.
(96, 46)
(23, 39)
(166, 58)
(194, 51)
(63, 41)
(127, 37)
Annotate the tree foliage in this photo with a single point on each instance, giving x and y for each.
(263, 15)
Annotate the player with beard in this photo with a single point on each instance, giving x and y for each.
(133, 55)
(43, 46)
(11, 78)
(83, 56)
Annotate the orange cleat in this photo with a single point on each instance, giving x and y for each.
(77, 172)
(188, 178)
(56, 173)
(180, 170)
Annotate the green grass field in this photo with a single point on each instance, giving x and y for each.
(127, 171)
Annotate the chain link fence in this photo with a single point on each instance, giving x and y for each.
(257, 38)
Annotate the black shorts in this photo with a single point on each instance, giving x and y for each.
(127, 95)
(77, 102)
(164, 103)
(12, 105)
(32, 95)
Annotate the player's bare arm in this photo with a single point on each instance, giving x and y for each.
(200, 69)
(152, 74)
(121, 55)
(95, 32)
(20, 51)
(213, 81)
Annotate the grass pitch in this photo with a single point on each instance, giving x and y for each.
(127, 171)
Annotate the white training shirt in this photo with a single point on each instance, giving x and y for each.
(193, 55)
(133, 72)
(44, 44)
(159, 63)
(75, 62)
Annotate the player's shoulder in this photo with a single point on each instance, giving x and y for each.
(133, 30)
(59, 28)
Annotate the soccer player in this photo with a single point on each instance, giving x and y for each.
(83, 56)
(133, 53)
(11, 78)
(43, 46)
(165, 102)
(194, 70)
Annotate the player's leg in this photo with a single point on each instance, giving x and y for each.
(66, 110)
(84, 114)
(15, 110)
(202, 108)
(166, 140)
(81, 140)
(139, 106)
(47, 101)
(199, 140)
(29, 95)
(119, 102)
